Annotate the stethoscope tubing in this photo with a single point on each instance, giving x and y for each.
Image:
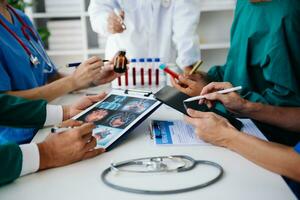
(164, 192)
(23, 29)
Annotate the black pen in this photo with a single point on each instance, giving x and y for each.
(59, 129)
(78, 63)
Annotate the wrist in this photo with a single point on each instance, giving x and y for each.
(44, 157)
(246, 107)
(250, 108)
(232, 135)
(71, 83)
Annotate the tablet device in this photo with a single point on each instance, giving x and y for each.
(174, 98)
(116, 115)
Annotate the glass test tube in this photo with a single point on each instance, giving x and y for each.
(142, 70)
(150, 70)
(133, 64)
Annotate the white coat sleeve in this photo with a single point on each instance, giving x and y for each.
(99, 11)
(186, 18)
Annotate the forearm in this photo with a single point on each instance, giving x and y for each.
(19, 112)
(280, 159)
(11, 163)
(48, 92)
(56, 77)
(283, 117)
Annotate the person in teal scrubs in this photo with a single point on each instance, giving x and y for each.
(264, 56)
(281, 159)
(20, 76)
(278, 158)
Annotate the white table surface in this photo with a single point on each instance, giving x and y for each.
(242, 179)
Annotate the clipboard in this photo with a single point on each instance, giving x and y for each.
(118, 114)
(174, 98)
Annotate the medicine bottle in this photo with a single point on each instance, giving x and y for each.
(120, 62)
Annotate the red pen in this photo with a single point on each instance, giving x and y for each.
(119, 81)
(168, 71)
(142, 76)
(157, 76)
(150, 76)
(126, 78)
(133, 76)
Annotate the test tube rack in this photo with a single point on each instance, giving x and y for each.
(142, 73)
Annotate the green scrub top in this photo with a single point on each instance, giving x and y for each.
(264, 56)
(17, 112)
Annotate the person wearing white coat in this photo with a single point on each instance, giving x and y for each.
(154, 28)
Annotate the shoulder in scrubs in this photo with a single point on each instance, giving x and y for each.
(17, 73)
(264, 56)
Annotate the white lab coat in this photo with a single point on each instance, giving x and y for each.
(155, 28)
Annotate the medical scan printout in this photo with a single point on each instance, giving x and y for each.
(115, 115)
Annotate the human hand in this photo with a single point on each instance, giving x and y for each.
(190, 84)
(86, 73)
(68, 147)
(81, 105)
(70, 123)
(114, 22)
(211, 127)
(232, 101)
(107, 74)
(187, 69)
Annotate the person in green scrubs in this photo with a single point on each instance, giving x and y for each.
(264, 56)
(56, 150)
(281, 159)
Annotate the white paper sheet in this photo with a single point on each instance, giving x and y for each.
(180, 133)
(251, 129)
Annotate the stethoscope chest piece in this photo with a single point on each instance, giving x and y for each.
(159, 164)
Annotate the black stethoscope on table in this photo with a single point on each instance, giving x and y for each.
(160, 164)
(25, 29)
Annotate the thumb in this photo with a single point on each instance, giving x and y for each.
(109, 66)
(71, 123)
(98, 97)
(196, 114)
(93, 153)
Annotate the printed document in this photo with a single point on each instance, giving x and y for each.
(180, 133)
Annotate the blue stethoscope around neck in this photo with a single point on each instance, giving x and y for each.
(25, 30)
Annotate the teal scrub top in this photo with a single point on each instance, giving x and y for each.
(264, 56)
(17, 73)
